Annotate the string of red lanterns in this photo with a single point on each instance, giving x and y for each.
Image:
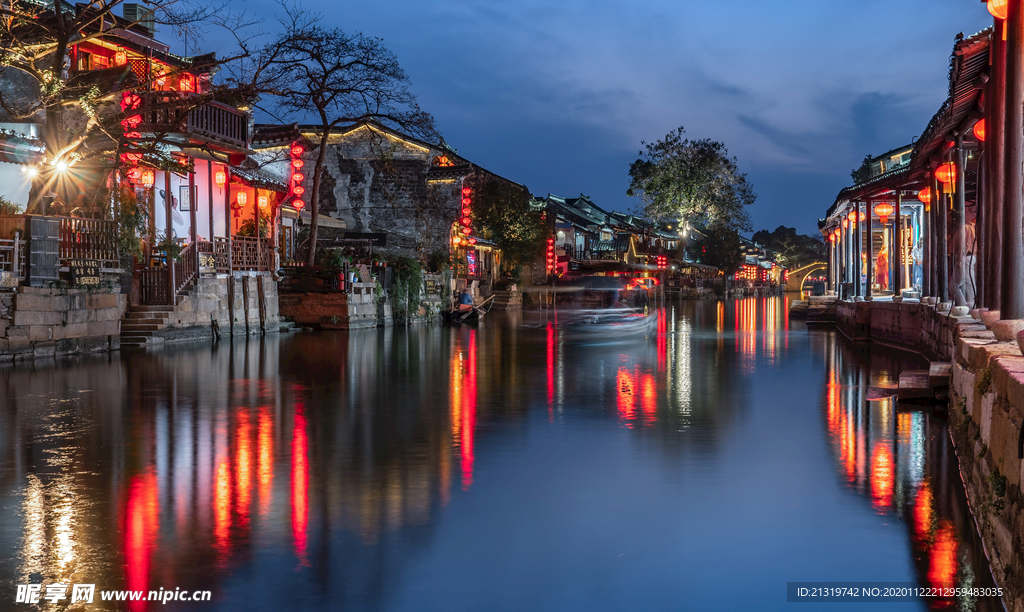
(551, 256)
(297, 189)
(465, 237)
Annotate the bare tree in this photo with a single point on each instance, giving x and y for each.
(341, 79)
(80, 111)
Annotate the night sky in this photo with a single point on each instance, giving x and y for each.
(559, 95)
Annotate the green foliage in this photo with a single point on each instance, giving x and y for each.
(794, 250)
(168, 246)
(863, 173)
(8, 207)
(721, 248)
(502, 213)
(984, 381)
(438, 261)
(695, 180)
(407, 286)
(248, 227)
(998, 482)
(332, 258)
(132, 217)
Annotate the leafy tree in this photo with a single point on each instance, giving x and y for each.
(721, 248)
(502, 211)
(862, 173)
(691, 180)
(794, 250)
(341, 79)
(78, 111)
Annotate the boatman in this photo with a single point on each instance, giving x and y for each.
(465, 301)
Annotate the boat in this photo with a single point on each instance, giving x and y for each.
(473, 315)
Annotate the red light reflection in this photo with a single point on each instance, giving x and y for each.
(300, 485)
(141, 525)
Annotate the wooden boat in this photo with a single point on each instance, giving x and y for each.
(473, 315)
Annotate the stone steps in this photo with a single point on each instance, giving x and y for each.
(140, 324)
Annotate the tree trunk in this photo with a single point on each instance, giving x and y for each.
(314, 197)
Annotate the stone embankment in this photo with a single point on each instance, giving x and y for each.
(45, 322)
(986, 416)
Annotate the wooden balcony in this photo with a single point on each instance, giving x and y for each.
(169, 113)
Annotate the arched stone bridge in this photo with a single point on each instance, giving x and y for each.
(796, 277)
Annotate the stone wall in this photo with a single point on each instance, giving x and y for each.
(44, 322)
(986, 416)
(207, 302)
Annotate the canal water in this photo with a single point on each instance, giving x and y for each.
(516, 465)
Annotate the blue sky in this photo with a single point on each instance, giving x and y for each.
(559, 95)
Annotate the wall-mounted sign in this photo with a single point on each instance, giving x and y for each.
(471, 261)
(207, 264)
(431, 286)
(84, 272)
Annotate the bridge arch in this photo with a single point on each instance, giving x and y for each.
(797, 276)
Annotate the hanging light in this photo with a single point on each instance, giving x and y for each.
(467, 221)
(297, 151)
(979, 130)
(467, 231)
(148, 178)
(925, 195)
(946, 173)
(120, 58)
(832, 237)
(846, 224)
(298, 190)
(297, 163)
(220, 178)
(263, 201)
(456, 241)
(242, 198)
(472, 240)
(884, 211)
(998, 8)
(133, 174)
(298, 178)
(298, 204)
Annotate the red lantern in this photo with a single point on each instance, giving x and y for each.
(467, 231)
(130, 101)
(946, 173)
(297, 163)
(120, 58)
(884, 211)
(133, 174)
(472, 240)
(466, 201)
(298, 204)
(298, 190)
(297, 151)
(466, 191)
(998, 8)
(832, 237)
(242, 198)
(846, 224)
(298, 178)
(467, 221)
(220, 177)
(979, 130)
(925, 195)
(185, 83)
(148, 178)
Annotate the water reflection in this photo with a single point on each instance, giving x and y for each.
(361, 470)
(898, 457)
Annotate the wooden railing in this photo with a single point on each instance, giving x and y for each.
(248, 253)
(168, 112)
(186, 268)
(153, 287)
(88, 239)
(219, 249)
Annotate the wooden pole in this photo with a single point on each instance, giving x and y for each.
(869, 252)
(169, 233)
(227, 215)
(1012, 306)
(943, 247)
(995, 149)
(959, 223)
(926, 250)
(897, 252)
(192, 229)
(209, 201)
(860, 249)
(981, 199)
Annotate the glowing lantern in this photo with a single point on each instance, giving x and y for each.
(832, 237)
(263, 201)
(467, 231)
(884, 211)
(297, 163)
(120, 58)
(130, 100)
(466, 191)
(133, 174)
(298, 190)
(456, 241)
(220, 177)
(979, 130)
(846, 223)
(298, 204)
(298, 178)
(998, 8)
(297, 151)
(242, 198)
(472, 240)
(466, 201)
(946, 173)
(148, 178)
(467, 221)
(925, 195)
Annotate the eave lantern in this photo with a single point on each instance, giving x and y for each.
(884, 211)
(979, 130)
(998, 8)
(148, 178)
(120, 58)
(221, 178)
(946, 173)
(242, 198)
(925, 195)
